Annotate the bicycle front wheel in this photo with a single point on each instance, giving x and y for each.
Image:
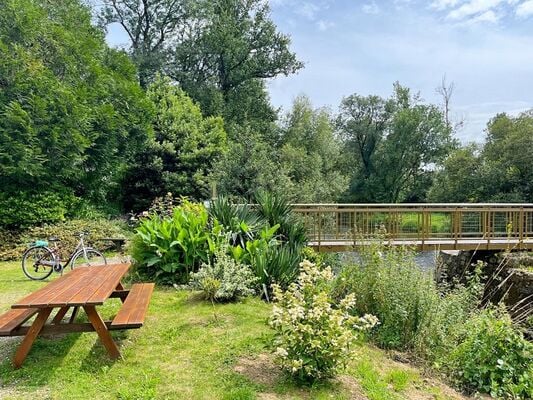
(87, 258)
(38, 263)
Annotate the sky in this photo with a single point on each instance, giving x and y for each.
(485, 47)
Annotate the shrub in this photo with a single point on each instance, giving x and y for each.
(493, 357)
(312, 338)
(414, 314)
(169, 248)
(224, 279)
(14, 243)
(276, 210)
(25, 209)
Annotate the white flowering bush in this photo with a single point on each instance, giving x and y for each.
(312, 337)
(225, 279)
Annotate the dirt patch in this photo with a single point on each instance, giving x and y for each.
(352, 387)
(260, 370)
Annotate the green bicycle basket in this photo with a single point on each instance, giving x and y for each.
(40, 243)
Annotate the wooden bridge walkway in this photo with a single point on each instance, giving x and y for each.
(338, 227)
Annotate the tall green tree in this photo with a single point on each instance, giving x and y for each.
(310, 154)
(182, 153)
(72, 112)
(390, 144)
(220, 52)
(153, 27)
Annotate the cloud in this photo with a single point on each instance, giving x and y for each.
(472, 8)
(444, 4)
(324, 25)
(370, 8)
(308, 10)
(487, 16)
(525, 9)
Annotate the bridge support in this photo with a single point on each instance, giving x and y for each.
(503, 272)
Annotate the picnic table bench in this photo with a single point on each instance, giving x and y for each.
(85, 288)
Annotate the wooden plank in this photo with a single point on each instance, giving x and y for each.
(66, 328)
(14, 318)
(79, 293)
(60, 314)
(103, 332)
(133, 310)
(85, 288)
(30, 337)
(70, 286)
(73, 315)
(139, 312)
(108, 287)
(47, 290)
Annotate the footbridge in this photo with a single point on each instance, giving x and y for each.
(339, 227)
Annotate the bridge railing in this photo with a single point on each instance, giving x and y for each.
(419, 223)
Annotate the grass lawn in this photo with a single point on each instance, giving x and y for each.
(184, 352)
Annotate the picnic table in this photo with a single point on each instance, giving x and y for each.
(86, 288)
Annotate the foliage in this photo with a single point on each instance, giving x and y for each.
(71, 110)
(25, 209)
(182, 354)
(276, 210)
(266, 236)
(169, 248)
(312, 338)
(458, 179)
(413, 313)
(224, 279)
(239, 220)
(182, 152)
(14, 243)
(389, 143)
(493, 357)
(310, 154)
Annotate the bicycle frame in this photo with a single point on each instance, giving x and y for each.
(79, 247)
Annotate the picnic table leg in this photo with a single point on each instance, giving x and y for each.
(73, 315)
(30, 337)
(102, 331)
(60, 314)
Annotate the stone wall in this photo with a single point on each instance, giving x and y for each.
(509, 276)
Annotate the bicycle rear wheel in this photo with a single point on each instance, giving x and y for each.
(87, 258)
(38, 262)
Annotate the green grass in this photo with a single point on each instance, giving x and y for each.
(183, 352)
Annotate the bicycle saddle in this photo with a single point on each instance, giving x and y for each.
(54, 239)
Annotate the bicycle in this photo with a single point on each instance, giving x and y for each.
(39, 261)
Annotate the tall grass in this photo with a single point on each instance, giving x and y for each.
(415, 314)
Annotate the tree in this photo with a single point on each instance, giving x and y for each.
(391, 143)
(310, 154)
(507, 154)
(362, 122)
(458, 181)
(72, 110)
(153, 26)
(182, 153)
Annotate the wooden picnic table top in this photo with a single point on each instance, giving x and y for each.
(82, 286)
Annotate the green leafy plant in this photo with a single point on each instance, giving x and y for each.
(168, 248)
(239, 220)
(415, 314)
(312, 337)
(224, 279)
(276, 210)
(493, 357)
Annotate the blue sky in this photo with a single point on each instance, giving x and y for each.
(362, 46)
